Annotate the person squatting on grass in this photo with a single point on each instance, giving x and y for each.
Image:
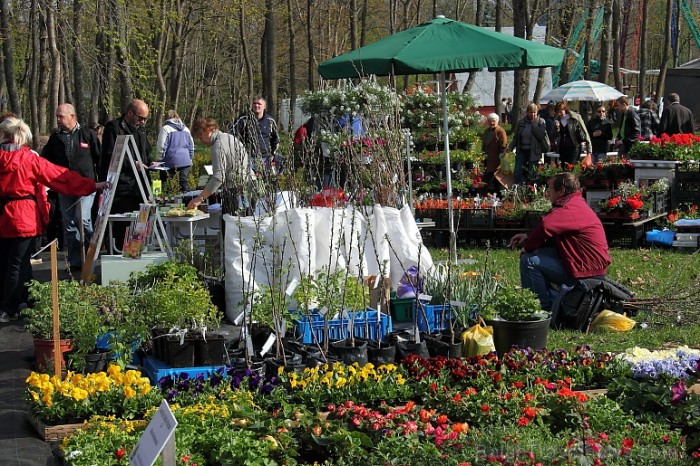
(568, 245)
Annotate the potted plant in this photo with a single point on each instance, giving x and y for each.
(79, 321)
(175, 302)
(517, 318)
(626, 203)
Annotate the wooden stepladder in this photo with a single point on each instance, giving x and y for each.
(124, 148)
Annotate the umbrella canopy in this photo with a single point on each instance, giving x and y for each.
(591, 91)
(441, 45)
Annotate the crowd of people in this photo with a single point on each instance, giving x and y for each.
(76, 161)
(559, 136)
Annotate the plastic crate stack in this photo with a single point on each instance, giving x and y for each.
(369, 324)
(686, 187)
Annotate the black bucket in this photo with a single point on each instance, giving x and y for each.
(348, 354)
(521, 334)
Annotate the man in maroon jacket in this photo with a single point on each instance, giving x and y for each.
(568, 245)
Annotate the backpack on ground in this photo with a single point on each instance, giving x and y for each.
(575, 307)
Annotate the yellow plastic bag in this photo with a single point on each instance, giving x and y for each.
(477, 340)
(611, 321)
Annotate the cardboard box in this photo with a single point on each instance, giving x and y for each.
(379, 295)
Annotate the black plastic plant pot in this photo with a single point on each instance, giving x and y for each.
(349, 354)
(521, 334)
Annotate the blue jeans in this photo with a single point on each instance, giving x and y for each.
(539, 270)
(73, 211)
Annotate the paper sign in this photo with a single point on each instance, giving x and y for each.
(458, 303)
(239, 318)
(425, 297)
(268, 344)
(323, 311)
(291, 287)
(154, 438)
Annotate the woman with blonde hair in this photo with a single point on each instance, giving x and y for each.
(24, 208)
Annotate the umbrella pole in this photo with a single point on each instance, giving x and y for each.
(448, 167)
(407, 135)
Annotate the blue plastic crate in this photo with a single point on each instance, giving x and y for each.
(155, 369)
(369, 324)
(438, 317)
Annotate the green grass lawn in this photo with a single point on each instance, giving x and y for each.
(670, 275)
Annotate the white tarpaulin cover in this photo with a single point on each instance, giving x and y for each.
(381, 241)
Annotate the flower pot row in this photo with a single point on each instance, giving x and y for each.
(193, 350)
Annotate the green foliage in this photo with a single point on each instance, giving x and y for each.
(512, 303)
(171, 294)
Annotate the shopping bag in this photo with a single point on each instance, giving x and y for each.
(507, 180)
(612, 322)
(587, 161)
(477, 340)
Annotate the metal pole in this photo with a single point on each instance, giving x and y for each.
(448, 167)
(407, 135)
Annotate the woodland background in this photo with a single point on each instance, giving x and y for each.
(209, 58)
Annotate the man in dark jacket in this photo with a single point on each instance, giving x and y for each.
(257, 130)
(675, 119)
(127, 196)
(77, 148)
(630, 125)
(568, 245)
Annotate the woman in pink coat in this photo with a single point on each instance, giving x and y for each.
(24, 208)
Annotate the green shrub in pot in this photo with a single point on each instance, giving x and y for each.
(513, 303)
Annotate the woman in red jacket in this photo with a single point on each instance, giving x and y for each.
(24, 208)
(568, 245)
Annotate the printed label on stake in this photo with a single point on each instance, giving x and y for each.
(458, 303)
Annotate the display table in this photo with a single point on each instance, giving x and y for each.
(174, 225)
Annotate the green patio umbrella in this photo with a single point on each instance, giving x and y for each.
(440, 46)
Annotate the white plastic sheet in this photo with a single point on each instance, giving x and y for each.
(369, 241)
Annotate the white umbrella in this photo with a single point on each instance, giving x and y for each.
(591, 91)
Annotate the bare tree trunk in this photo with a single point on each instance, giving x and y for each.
(44, 71)
(605, 43)
(641, 83)
(103, 103)
(34, 66)
(543, 71)
(78, 61)
(477, 21)
(363, 23)
(499, 76)
(8, 51)
(56, 74)
(292, 67)
(587, 42)
(123, 59)
(310, 45)
(661, 82)
(244, 51)
(616, 14)
(521, 78)
(157, 17)
(270, 69)
(353, 24)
